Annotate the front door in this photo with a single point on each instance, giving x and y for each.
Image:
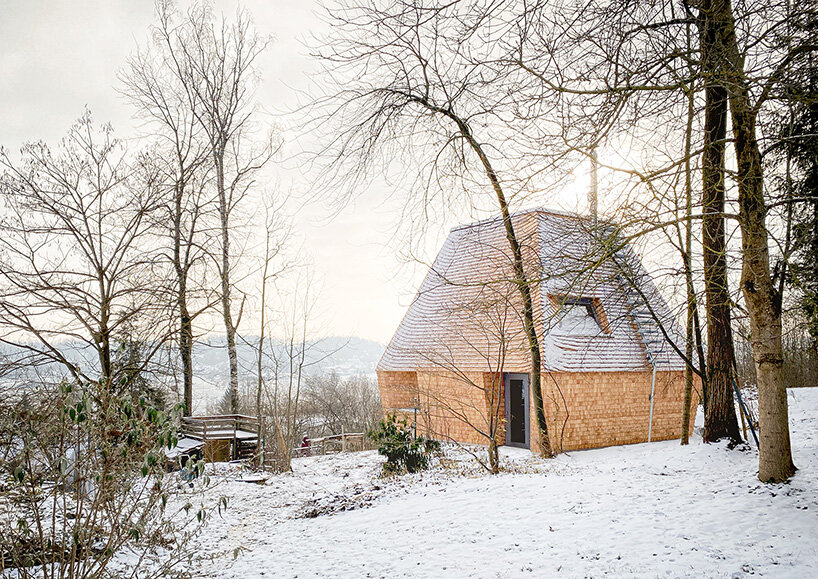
(516, 386)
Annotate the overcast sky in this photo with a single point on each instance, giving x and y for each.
(56, 58)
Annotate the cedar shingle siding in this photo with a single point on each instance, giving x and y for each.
(465, 326)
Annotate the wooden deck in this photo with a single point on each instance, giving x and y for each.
(225, 437)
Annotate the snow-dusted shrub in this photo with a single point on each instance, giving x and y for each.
(404, 452)
(84, 486)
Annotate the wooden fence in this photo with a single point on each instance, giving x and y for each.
(346, 442)
(242, 430)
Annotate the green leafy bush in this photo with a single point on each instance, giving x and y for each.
(403, 451)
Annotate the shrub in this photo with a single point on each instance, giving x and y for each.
(403, 451)
(84, 485)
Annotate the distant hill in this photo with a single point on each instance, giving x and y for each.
(344, 355)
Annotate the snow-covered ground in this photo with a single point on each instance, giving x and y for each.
(645, 510)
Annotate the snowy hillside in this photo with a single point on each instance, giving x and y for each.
(645, 510)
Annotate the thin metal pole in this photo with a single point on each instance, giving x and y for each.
(592, 197)
(652, 391)
(415, 422)
(744, 410)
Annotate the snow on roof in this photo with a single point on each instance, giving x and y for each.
(467, 314)
(183, 445)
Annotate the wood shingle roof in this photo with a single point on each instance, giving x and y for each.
(467, 314)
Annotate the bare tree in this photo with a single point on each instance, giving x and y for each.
(608, 66)
(762, 298)
(339, 404)
(692, 331)
(80, 261)
(295, 362)
(627, 74)
(82, 294)
(408, 76)
(740, 68)
(213, 62)
(283, 357)
(153, 83)
(274, 239)
(486, 327)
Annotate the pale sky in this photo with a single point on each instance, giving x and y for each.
(56, 58)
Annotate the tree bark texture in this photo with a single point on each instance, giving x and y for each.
(719, 410)
(185, 321)
(186, 354)
(229, 327)
(762, 299)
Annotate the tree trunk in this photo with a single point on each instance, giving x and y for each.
(260, 379)
(103, 339)
(229, 328)
(719, 410)
(520, 278)
(260, 359)
(762, 299)
(185, 321)
(688, 391)
(494, 457)
(697, 331)
(186, 353)
(688, 267)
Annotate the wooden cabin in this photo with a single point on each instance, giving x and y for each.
(460, 359)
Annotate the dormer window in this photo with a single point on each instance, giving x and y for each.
(580, 316)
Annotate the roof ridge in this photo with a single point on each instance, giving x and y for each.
(539, 210)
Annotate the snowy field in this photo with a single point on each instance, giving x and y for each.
(648, 510)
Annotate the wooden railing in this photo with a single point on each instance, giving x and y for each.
(346, 442)
(218, 427)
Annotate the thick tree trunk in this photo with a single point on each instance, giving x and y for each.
(186, 353)
(688, 265)
(103, 339)
(760, 294)
(719, 410)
